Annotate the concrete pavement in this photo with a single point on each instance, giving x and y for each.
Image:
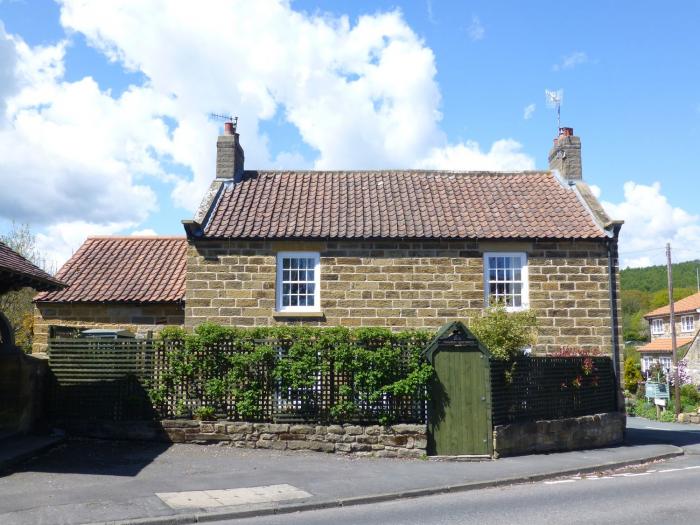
(87, 481)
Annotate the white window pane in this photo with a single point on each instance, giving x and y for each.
(302, 300)
(285, 262)
(492, 262)
(285, 300)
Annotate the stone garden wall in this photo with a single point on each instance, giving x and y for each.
(600, 430)
(404, 441)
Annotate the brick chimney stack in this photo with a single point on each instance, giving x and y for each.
(229, 154)
(565, 155)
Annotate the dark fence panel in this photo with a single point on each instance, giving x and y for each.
(536, 388)
(100, 379)
(110, 380)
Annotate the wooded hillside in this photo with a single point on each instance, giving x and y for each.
(644, 289)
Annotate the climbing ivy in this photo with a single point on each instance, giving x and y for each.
(235, 372)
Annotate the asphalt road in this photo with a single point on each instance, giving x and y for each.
(651, 495)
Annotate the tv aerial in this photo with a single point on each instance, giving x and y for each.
(554, 100)
(225, 118)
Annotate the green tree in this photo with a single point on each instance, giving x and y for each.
(17, 305)
(505, 333)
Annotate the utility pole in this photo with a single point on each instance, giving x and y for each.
(676, 386)
(697, 277)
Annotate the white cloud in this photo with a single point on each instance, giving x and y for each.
(650, 222)
(8, 63)
(361, 94)
(529, 111)
(144, 233)
(504, 155)
(74, 156)
(571, 61)
(476, 30)
(60, 240)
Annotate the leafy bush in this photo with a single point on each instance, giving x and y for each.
(632, 374)
(690, 394)
(505, 333)
(225, 367)
(205, 413)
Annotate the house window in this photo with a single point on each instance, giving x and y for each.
(665, 363)
(505, 280)
(646, 363)
(298, 281)
(687, 323)
(657, 326)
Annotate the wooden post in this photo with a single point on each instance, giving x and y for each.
(676, 386)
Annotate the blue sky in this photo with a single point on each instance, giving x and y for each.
(441, 77)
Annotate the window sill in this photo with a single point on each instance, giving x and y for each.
(318, 314)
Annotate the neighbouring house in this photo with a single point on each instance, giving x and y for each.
(122, 283)
(405, 248)
(687, 324)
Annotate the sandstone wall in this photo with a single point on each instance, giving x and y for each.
(585, 432)
(404, 285)
(139, 319)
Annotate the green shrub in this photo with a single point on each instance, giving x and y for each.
(690, 395)
(205, 413)
(632, 374)
(505, 333)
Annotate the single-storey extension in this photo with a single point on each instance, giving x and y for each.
(124, 283)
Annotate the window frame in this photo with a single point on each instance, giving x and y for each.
(684, 318)
(524, 279)
(316, 307)
(652, 325)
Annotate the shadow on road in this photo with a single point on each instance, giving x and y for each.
(648, 436)
(97, 457)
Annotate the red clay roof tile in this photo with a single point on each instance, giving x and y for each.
(399, 204)
(125, 270)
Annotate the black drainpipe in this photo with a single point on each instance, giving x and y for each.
(611, 244)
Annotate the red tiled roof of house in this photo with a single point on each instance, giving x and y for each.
(17, 272)
(689, 304)
(399, 204)
(663, 345)
(124, 270)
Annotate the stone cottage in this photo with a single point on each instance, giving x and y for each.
(687, 321)
(125, 283)
(405, 248)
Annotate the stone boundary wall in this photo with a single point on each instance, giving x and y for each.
(404, 441)
(599, 430)
(689, 417)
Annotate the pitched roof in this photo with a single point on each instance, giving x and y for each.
(17, 272)
(663, 345)
(124, 270)
(689, 304)
(399, 204)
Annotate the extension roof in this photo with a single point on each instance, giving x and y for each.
(398, 205)
(689, 304)
(662, 345)
(124, 270)
(17, 272)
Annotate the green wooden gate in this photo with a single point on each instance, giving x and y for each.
(459, 412)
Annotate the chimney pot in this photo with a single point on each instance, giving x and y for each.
(228, 128)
